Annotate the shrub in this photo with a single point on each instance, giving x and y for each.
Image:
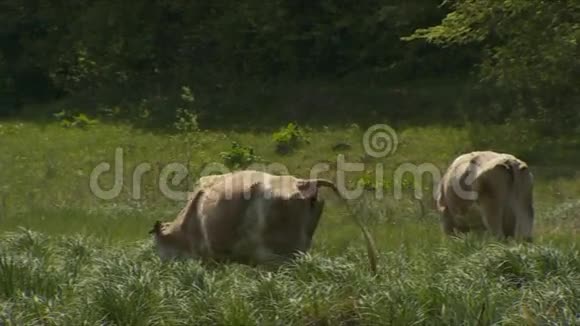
(239, 156)
(289, 138)
(186, 119)
(68, 120)
(367, 181)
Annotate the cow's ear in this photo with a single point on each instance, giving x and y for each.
(156, 228)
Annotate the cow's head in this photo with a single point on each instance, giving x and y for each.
(175, 239)
(170, 242)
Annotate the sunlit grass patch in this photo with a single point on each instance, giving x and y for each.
(68, 257)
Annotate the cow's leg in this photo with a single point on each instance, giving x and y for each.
(265, 256)
(450, 225)
(463, 229)
(312, 224)
(492, 210)
(524, 221)
(523, 210)
(509, 222)
(447, 223)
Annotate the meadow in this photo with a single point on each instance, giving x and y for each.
(289, 85)
(68, 257)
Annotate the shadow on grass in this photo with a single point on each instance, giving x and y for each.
(255, 106)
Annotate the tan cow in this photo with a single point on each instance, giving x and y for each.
(249, 217)
(485, 190)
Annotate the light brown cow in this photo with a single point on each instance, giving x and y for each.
(485, 190)
(249, 217)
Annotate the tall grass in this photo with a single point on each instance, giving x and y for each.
(82, 281)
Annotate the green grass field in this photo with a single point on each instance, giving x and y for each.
(70, 258)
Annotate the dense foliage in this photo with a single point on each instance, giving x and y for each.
(84, 44)
(531, 50)
(58, 48)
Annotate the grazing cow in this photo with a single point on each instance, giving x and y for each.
(485, 190)
(249, 217)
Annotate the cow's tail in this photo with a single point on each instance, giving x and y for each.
(522, 185)
(372, 251)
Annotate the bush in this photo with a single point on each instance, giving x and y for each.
(68, 120)
(239, 156)
(186, 121)
(186, 118)
(289, 138)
